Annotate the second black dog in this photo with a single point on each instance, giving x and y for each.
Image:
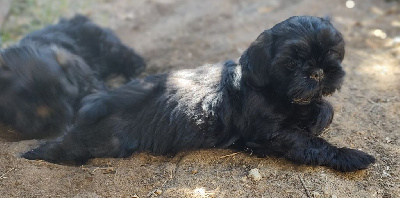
(270, 103)
(44, 77)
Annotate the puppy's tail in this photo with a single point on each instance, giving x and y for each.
(127, 98)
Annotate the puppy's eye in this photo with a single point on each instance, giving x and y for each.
(292, 64)
(335, 54)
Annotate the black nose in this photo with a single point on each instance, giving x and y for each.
(317, 75)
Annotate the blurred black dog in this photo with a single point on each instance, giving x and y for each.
(44, 77)
(270, 103)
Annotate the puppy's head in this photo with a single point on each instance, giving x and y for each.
(38, 88)
(299, 59)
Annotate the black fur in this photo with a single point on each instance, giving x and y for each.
(99, 47)
(44, 77)
(270, 103)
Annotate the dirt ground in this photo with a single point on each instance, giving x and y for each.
(174, 34)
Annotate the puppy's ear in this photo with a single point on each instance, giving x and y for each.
(72, 64)
(256, 60)
(61, 56)
(75, 68)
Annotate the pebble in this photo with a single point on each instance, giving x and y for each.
(109, 170)
(243, 179)
(255, 174)
(386, 174)
(193, 172)
(158, 192)
(316, 194)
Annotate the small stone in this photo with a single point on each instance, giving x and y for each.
(386, 174)
(158, 192)
(334, 196)
(255, 174)
(377, 11)
(386, 195)
(129, 16)
(315, 194)
(243, 179)
(193, 172)
(109, 170)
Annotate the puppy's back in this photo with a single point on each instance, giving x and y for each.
(99, 47)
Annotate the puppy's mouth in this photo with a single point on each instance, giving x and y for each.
(307, 100)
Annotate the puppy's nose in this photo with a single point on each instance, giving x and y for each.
(317, 75)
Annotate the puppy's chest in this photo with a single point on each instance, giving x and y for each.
(300, 118)
(282, 117)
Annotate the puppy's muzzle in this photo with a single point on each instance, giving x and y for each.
(317, 75)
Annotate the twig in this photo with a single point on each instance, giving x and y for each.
(374, 104)
(155, 192)
(151, 193)
(230, 155)
(392, 98)
(107, 170)
(3, 175)
(305, 187)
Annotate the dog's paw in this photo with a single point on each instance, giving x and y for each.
(51, 152)
(347, 160)
(33, 155)
(55, 153)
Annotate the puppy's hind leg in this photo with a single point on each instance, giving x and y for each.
(304, 149)
(67, 148)
(84, 142)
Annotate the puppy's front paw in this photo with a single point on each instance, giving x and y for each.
(347, 160)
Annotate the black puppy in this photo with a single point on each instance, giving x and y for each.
(270, 103)
(44, 77)
(41, 88)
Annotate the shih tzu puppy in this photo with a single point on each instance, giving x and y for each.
(44, 76)
(270, 102)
